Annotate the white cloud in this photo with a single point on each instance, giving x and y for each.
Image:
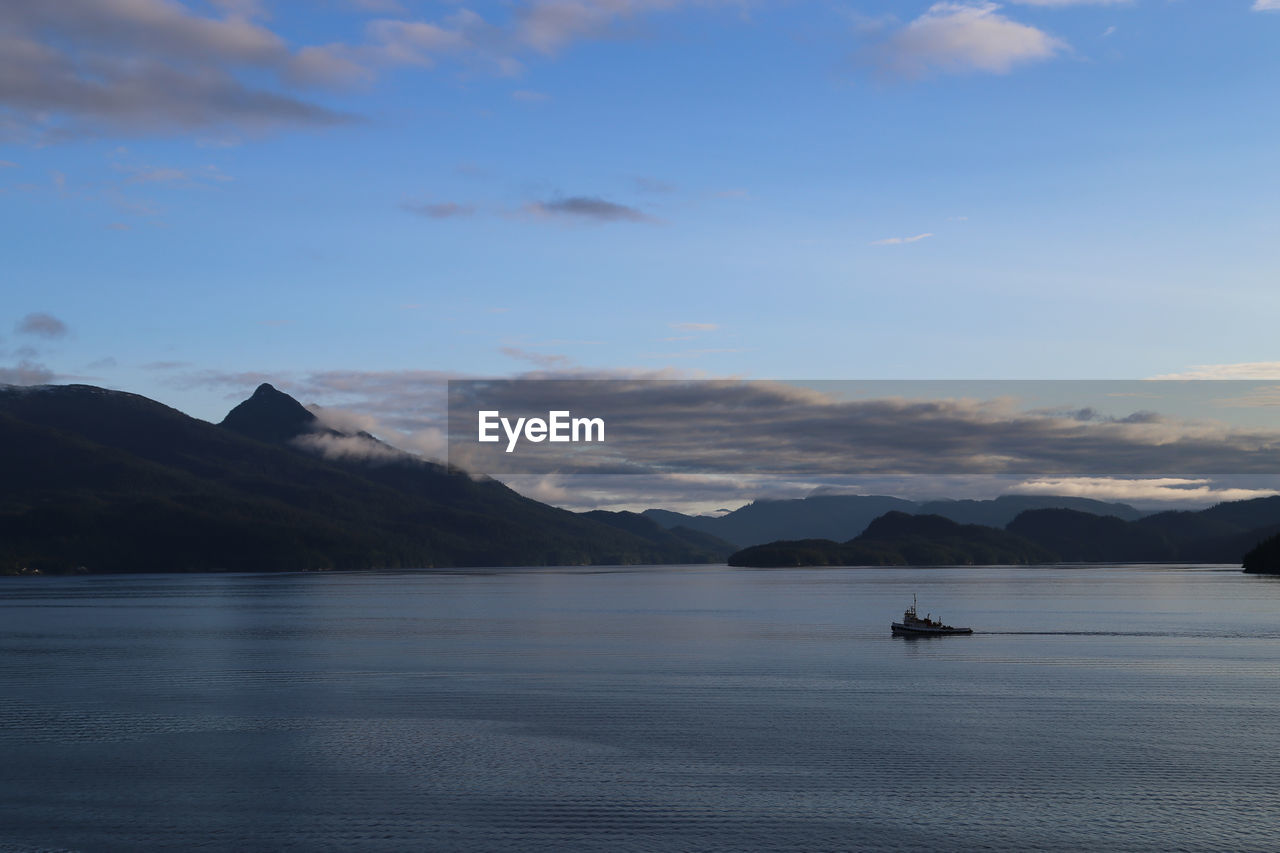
(1163, 489)
(1266, 5)
(695, 327)
(898, 241)
(547, 360)
(73, 66)
(959, 37)
(1072, 2)
(550, 25)
(349, 447)
(1240, 370)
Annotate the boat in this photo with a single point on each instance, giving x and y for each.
(912, 623)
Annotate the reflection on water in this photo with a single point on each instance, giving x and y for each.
(641, 709)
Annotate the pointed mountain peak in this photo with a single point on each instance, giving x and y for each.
(270, 415)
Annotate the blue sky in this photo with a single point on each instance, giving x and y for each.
(205, 195)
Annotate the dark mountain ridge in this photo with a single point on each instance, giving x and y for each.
(112, 481)
(842, 517)
(901, 539)
(1224, 533)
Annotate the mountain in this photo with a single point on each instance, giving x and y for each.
(1264, 558)
(110, 481)
(1224, 533)
(817, 517)
(841, 517)
(998, 512)
(901, 539)
(271, 416)
(1081, 537)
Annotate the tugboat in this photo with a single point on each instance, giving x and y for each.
(912, 624)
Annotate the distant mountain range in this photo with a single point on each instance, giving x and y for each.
(98, 480)
(106, 481)
(1225, 533)
(842, 517)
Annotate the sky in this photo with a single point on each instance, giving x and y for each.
(358, 199)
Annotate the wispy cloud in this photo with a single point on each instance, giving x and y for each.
(1060, 3)
(75, 66)
(41, 325)
(899, 241)
(776, 429)
(725, 441)
(1266, 5)
(376, 5)
(588, 209)
(78, 67)
(694, 327)
(529, 96)
(550, 25)
(440, 210)
(1159, 489)
(1238, 370)
(26, 373)
(550, 361)
(653, 185)
(954, 37)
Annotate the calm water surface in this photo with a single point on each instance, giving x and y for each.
(642, 709)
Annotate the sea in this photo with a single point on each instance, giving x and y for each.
(643, 708)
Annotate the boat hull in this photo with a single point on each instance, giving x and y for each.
(899, 628)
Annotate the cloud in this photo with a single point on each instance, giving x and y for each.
(440, 210)
(545, 360)
(327, 65)
(1239, 370)
(79, 66)
(695, 327)
(703, 444)
(587, 208)
(343, 420)
(549, 25)
(653, 185)
(693, 353)
(153, 174)
(349, 447)
(376, 5)
(957, 37)
(529, 96)
(1160, 490)
(73, 68)
(899, 241)
(768, 428)
(1059, 3)
(42, 325)
(1266, 5)
(26, 373)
